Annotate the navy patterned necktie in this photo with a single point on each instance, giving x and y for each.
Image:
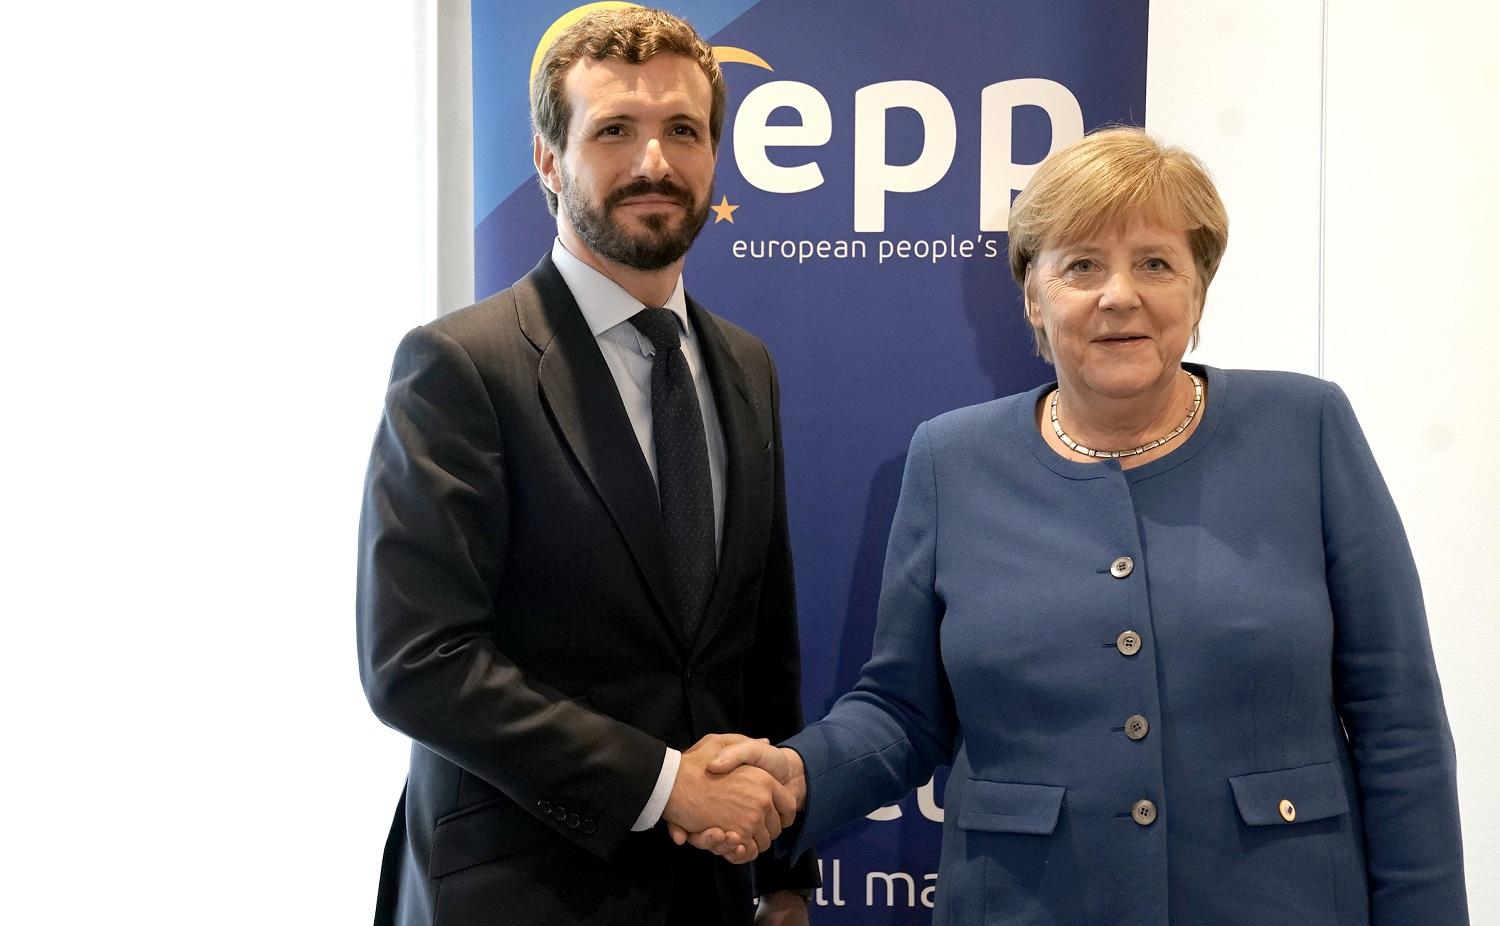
(682, 480)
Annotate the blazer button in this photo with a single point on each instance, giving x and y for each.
(590, 827)
(1288, 810)
(545, 807)
(1143, 812)
(1122, 567)
(573, 821)
(559, 812)
(1128, 643)
(1137, 726)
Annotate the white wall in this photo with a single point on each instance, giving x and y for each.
(1411, 329)
(1382, 135)
(211, 239)
(217, 222)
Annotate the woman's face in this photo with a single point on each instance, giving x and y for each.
(1117, 308)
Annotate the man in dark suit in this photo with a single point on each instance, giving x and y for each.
(573, 551)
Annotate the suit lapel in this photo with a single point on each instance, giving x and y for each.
(747, 469)
(579, 390)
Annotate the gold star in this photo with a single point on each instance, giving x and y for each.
(723, 211)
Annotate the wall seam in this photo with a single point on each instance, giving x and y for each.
(453, 147)
(1322, 190)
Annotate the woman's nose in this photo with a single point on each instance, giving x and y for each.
(1119, 292)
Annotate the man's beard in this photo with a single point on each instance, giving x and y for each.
(660, 244)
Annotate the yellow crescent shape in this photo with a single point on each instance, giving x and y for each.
(728, 54)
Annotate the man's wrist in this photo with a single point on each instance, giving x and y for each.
(656, 804)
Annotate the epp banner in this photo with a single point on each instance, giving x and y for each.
(870, 155)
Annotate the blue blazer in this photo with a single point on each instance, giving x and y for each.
(1200, 691)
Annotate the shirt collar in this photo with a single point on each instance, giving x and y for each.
(604, 302)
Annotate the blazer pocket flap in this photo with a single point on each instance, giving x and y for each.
(1007, 807)
(1290, 795)
(482, 833)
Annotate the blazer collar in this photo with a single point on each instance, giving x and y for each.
(579, 391)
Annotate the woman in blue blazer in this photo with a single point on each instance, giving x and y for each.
(1161, 619)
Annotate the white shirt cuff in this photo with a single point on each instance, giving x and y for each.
(664, 781)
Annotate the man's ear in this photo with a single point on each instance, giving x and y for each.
(545, 160)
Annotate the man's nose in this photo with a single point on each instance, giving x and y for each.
(652, 161)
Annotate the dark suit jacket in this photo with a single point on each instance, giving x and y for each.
(513, 620)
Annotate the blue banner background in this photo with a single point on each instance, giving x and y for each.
(867, 348)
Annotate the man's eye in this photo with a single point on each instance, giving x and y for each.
(612, 130)
(686, 130)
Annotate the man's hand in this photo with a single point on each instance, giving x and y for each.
(740, 809)
(737, 753)
(782, 908)
(784, 764)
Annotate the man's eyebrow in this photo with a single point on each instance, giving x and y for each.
(591, 123)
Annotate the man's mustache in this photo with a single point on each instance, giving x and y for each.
(662, 187)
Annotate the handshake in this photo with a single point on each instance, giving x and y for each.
(733, 795)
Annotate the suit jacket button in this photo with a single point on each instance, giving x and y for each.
(573, 821)
(1137, 726)
(1143, 812)
(1122, 567)
(559, 812)
(1128, 643)
(1288, 810)
(590, 827)
(544, 806)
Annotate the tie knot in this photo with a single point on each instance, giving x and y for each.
(658, 325)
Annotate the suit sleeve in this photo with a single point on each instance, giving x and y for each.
(886, 736)
(432, 543)
(1386, 689)
(773, 676)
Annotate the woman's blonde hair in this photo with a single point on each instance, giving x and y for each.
(1098, 182)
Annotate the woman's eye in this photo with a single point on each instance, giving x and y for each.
(1156, 264)
(1082, 265)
